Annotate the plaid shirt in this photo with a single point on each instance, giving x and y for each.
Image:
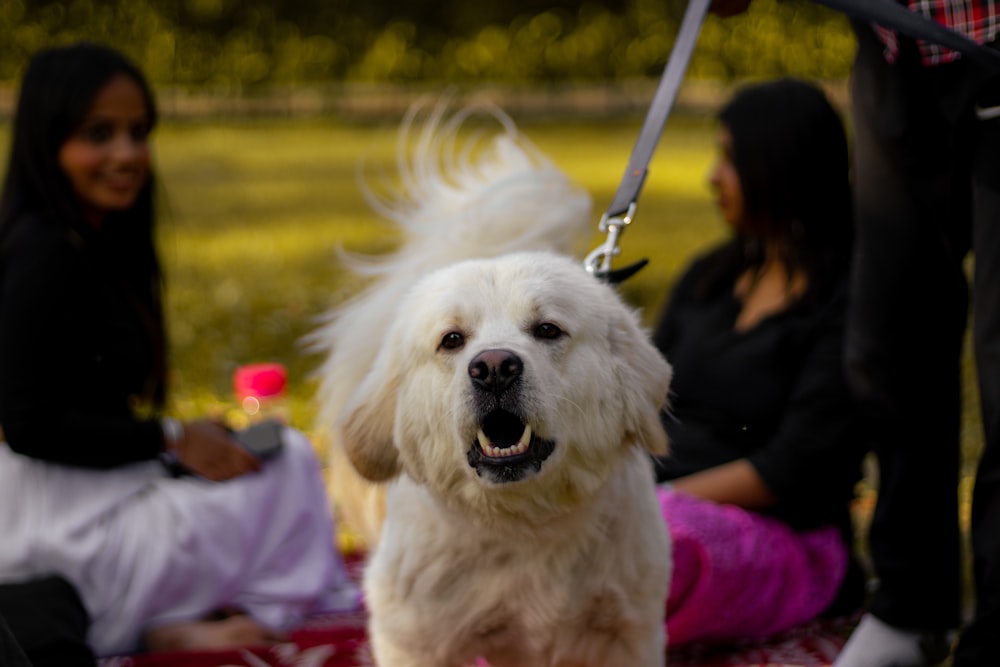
(977, 19)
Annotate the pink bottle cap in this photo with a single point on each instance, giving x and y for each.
(260, 380)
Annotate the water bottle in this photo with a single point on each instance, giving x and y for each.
(260, 390)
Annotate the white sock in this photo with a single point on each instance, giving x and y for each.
(875, 643)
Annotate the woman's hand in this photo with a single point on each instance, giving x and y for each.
(209, 449)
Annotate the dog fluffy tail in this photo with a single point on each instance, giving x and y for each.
(468, 185)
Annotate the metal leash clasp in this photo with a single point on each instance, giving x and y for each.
(598, 262)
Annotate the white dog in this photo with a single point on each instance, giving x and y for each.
(511, 404)
(488, 194)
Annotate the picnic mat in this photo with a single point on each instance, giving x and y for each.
(339, 640)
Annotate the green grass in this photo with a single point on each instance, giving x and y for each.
(254, 213)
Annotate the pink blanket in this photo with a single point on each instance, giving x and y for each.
(740, 575)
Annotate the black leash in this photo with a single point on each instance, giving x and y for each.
(622, 209)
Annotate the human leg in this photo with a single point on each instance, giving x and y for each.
(48, 621)
(263, 544)
(740, 575)
(905, 330)
(978, 645)
(145, 550)
(296, 563)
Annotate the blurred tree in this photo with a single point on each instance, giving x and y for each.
(235, 45)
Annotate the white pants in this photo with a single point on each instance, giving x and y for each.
(144, 549)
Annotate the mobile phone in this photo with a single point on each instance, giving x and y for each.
(262, 439)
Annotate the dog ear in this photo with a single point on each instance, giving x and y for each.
(367, 427)
(644, 377)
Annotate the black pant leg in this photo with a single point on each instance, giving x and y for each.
(49, 622)
(905, 328)
(978, 645)
(11, 654)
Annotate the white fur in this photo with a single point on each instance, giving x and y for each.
(566, 562)
(566, 565)
(469, 185)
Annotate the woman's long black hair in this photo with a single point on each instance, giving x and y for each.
(790, 150)
(57, 91)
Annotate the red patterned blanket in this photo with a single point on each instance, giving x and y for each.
(339, 641)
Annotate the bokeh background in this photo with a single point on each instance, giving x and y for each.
(243, 46)
(270, 107)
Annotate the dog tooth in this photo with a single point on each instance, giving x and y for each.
(491, 450)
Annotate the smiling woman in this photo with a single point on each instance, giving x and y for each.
(107, 158)
(172, 534)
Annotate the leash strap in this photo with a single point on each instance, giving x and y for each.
(622, 209)
(898, 17)
(619, 214)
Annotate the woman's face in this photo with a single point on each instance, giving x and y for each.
(725, 181)
(107, 157)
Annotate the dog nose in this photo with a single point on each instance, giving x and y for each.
(495, 370)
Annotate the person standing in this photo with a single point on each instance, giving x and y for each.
(927, 174)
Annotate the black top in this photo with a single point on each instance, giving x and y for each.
(775, 394)
(74, 356)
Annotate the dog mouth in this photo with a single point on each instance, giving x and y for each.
(507, 449)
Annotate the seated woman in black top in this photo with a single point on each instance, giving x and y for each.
(82, 392)
(766, 442)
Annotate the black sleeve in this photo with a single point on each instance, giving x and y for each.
(681, 293)
(814, 458)
(55, 402)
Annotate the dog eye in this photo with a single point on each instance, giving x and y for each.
(452, 340)
(548, 331)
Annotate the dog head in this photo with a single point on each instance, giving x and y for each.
(509, 384)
